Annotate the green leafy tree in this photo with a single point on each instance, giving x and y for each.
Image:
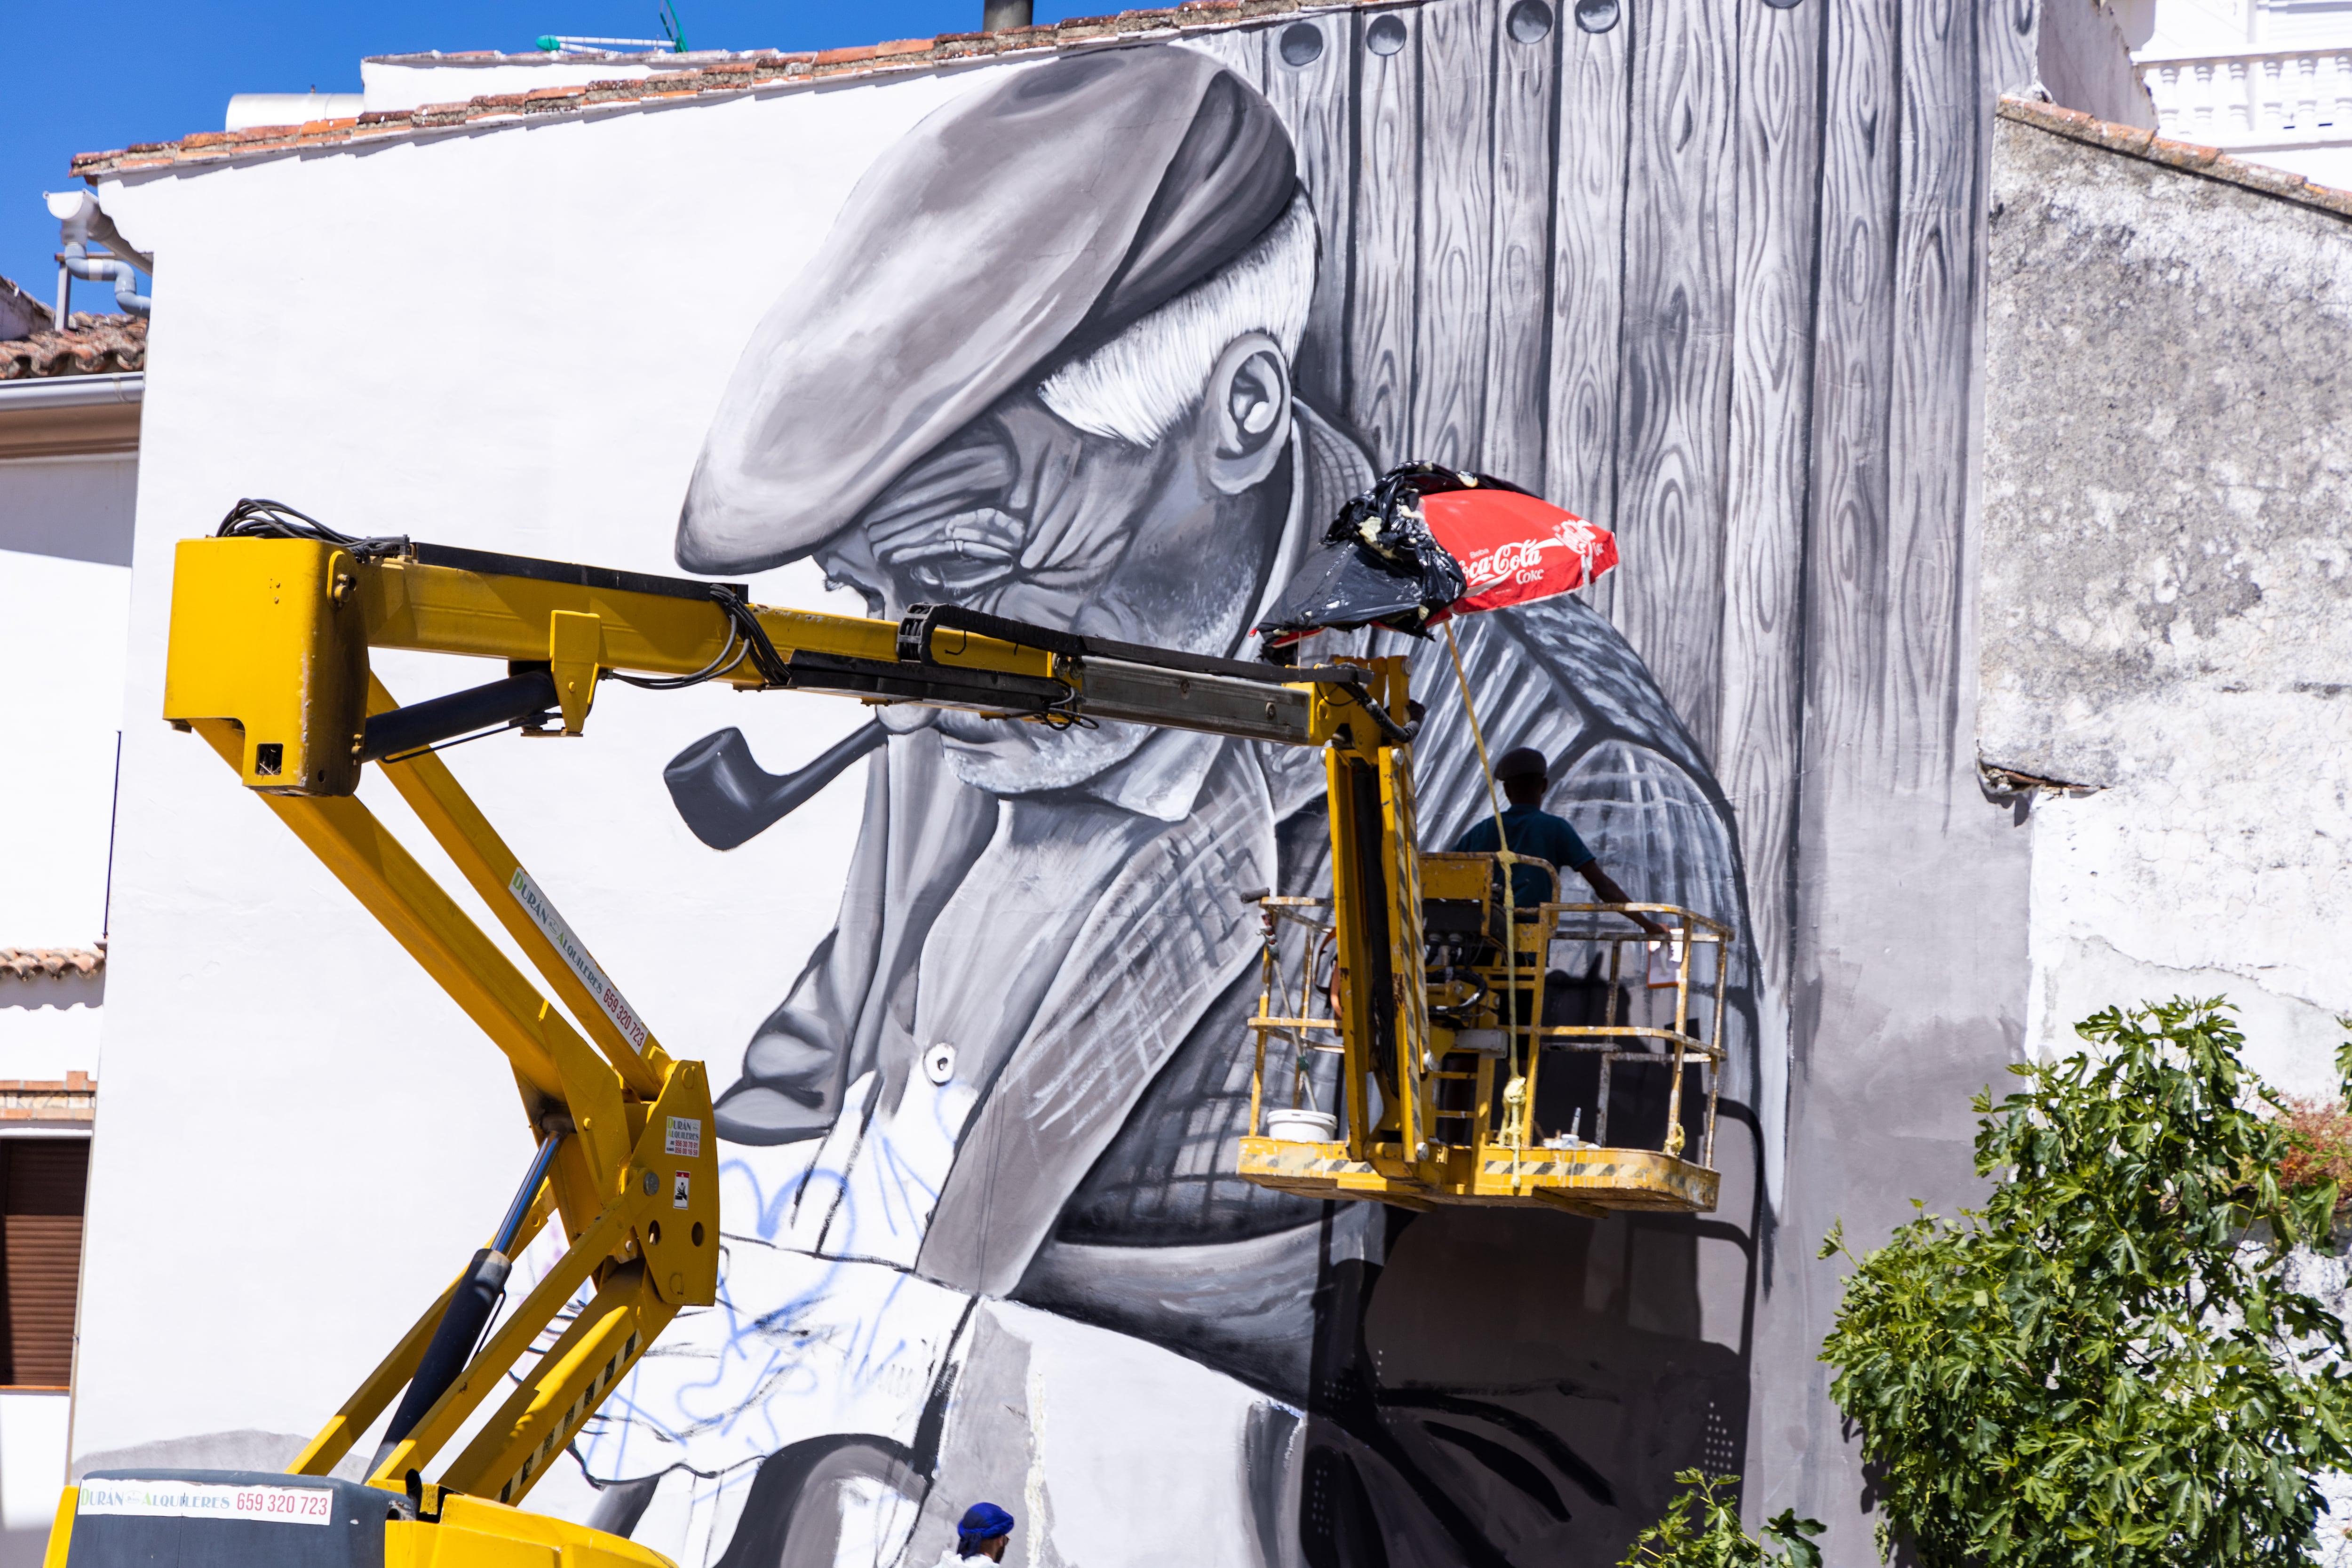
(2107, 1365)
(1701, 1529)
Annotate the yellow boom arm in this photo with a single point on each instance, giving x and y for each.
(272, 630)
(270, 640)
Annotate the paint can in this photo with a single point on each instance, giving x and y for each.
(1301, 1126)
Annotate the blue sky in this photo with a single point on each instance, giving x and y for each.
(155, 72)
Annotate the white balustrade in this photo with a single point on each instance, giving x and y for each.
(2284, 99)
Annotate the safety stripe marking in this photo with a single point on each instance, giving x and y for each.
(561, 1432)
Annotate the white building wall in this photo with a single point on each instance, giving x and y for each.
(65, 594)
(65, 585)
(32, 1470)
(2167, 593)
(262, 1027)
(2192, 881)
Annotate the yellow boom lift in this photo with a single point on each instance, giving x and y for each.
(1426, 988)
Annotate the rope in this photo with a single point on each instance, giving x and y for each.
(1516, 1119)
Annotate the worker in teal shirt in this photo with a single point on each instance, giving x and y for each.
(1533, 831)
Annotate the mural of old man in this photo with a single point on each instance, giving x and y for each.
(983, 1240)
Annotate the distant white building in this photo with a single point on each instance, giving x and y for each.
(2266, 79)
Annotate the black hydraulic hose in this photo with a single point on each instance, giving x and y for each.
(1396, 734)
(917, 627)
(1363, 806)
(420, 724)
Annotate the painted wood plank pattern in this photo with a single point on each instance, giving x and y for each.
(1771, 394)
(2007, 29)
(1587, 263)
(1779, 154)
(1853, 347)
(1674, 407)
(1314, 99)
(1457, 115)
(1518, 288)
(1240, 50)
(1936, 283)
(1383, 303)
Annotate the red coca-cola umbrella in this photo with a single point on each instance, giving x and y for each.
(1514, 548)
(1427, 543)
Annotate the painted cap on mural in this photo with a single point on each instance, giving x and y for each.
(1026, 223)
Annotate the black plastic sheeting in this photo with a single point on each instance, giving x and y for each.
(1379, 566)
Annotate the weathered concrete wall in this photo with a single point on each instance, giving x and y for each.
(2167, 576)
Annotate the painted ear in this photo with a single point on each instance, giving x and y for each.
(1249, 412)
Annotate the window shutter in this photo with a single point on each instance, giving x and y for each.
(42, 1182)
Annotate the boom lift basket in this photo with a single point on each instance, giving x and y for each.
(1519, 1055)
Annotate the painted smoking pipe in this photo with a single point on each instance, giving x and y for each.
(727, 798)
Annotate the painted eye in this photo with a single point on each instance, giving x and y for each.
(959, 557)
(956, 577)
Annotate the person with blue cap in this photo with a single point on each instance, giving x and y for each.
(984, 1530)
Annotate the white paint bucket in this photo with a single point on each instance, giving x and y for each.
(1301, 1126)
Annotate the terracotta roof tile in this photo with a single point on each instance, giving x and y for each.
(2189, 157)
(68, 1102)
(766, 68)
(90, 345)
(50, 963)
(75, 1082)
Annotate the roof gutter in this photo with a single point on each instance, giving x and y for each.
(72, 391)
